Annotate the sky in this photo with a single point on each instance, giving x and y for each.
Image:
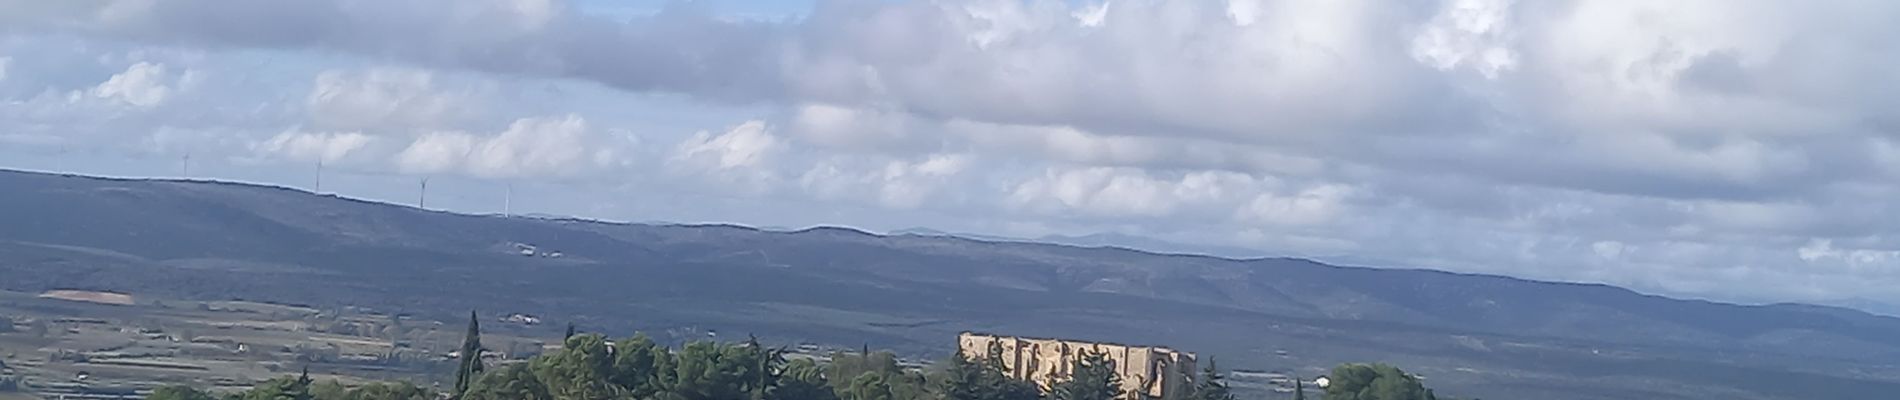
(1733, 150)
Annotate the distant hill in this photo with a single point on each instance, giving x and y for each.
(1490, 336)
(1110, 239)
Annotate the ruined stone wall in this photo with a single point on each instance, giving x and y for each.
(1155, 372)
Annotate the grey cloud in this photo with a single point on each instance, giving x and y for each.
(1562, 140)
(680, 49)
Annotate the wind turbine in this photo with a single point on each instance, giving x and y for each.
(319, 186)
(60, 160)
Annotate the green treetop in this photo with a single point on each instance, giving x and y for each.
(1374, 382)
(1093, 377)
(471, 355)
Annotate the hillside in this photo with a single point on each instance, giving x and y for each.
(1489, 336)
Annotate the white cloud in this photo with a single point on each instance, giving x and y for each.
(383, 98)
(542, 147)
(1468, 33)
(326, 147)
(1823, 250)
(4, 63)
(741, 159)
(143, 84)
(1134, 193)
(436, 152)
(1306, 207)
(897, 184)
(1609, 249)
(747, 145)
(850, 128)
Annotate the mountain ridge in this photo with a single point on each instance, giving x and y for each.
(209, 240)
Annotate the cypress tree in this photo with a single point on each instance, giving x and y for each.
(1299, 389)
(302, 389)
(471, 356)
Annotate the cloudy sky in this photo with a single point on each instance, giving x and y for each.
(1734, 150)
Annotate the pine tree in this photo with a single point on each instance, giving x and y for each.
(471, 356)
(1094, 378)
(964, 379)
(1299, 389)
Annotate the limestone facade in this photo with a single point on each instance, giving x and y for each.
(1146, 372)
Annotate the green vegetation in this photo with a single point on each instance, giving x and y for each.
(176, 392)
(1094, 378)
(1375, 382)
(985, 379)
(300, 388)
(590, 367)
(471, 356)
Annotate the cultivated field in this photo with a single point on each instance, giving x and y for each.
(107, 345)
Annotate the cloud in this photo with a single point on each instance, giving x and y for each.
(1205, 196)
(143, 85)
(1469, 33)
(384, 98)
(748, 145)
(895, 184)
(325, 147)
(1700, 147)
(540, 147)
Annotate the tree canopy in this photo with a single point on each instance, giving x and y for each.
(1092, 377)
(590, 367)
(177, 392)
(1375, 382)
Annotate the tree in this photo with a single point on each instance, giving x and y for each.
(1374, 382)
(177, 392)
(1212, 385)
(390, 391)
(1093, 377)
(579, 371)
(1299, 389)
(711, 371)
(985, 379)
(513, 382)
(303, 384)
(642, 366)
(284, 388)
(846, 369)
(803, 379)
(471, 355)
(570, 331)
(330, 390)
(963, 379)
(868, 386)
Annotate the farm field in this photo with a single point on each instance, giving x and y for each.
(101, 345)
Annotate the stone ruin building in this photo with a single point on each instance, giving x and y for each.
(1146, 372)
